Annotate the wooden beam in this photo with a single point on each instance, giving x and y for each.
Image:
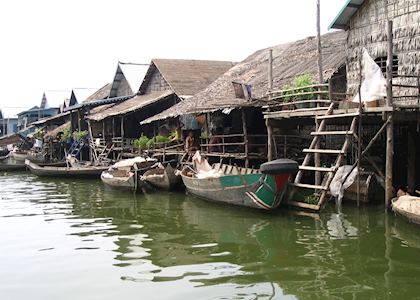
(390, 127)
(245, 132)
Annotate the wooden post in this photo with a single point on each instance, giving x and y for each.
(92, 142)
(122, 127)
(103, 130)
(390, 126)
(411, 162)
(78, 121)
(359, 135)
(267, 121)
(270, 70)
(245, 132)
(318, 30)
(113, 127)
(269, 140)
(317, 156)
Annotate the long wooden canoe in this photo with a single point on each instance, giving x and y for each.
(66, 172)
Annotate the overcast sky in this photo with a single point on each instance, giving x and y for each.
(54, 45)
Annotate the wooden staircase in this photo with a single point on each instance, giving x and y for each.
(100, 152)
(321, 190)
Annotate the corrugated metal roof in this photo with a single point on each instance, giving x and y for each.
(343, 18)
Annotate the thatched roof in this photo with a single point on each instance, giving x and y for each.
(130, 105)
(289, 60)
(53, 133)
(102, 93)
(11, 139)
(186, 77)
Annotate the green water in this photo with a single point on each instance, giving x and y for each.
(68, 239)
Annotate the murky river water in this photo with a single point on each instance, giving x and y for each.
(73, 239)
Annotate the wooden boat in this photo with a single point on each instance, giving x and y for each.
(66, 172)
(21, 156)
(9, 164)
(262, 189)
(164, 178)
(407, 207)
(124, 174)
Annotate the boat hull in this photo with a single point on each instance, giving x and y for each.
(65, 172)
(123, 183)
(258, 191)
(164, 179)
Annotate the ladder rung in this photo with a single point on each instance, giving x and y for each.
(309, 186)
(321, 169)
(355, 114)
(323, 151)
(348, 132)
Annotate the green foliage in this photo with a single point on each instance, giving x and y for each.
(66, 135)
(311, 199)
(299, 82)
(150, 143)
(141, 142)
(39, 134)
(161, 139)
(79, 135)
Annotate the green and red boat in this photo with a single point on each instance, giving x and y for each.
(261, 188)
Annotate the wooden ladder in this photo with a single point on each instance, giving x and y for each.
(329, 172)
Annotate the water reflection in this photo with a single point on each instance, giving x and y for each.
(193, 248)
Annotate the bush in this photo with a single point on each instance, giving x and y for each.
(66, 135)
(299, 82)
(141, 142)
(79, 135)
(161, 139)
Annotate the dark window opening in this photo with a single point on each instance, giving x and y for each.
(381, 62)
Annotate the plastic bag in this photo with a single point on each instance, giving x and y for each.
(337, 186)
(374, 84)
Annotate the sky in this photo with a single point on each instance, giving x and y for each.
(55, 46)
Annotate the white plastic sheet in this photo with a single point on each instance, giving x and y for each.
(374, 84)
(203, 168)
(408, 203)
(337, 185)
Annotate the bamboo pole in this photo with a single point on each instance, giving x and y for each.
(390, 126)
(245, 132)
(317, 156)
(267, 121)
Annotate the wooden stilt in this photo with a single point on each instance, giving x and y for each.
(411, 162)
(245, 132)
(269, 140)
(390, 127)
(317, 156)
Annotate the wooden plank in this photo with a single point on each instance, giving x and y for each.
(321, 169)
(309, 186)
(346, 115)
(317, 133)
(302, 205)
(323, 151)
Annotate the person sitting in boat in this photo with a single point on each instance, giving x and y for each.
(190, 145)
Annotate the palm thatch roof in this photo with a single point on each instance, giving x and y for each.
(186, 77)
(128, 106)
(53, 133)
(11, 139)
(102, 93)
(289, 60)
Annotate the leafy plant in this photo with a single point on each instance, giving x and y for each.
(150, 143)
(299, 82)
(79, 135)
(161, 139)
(311, 199)
(141, 142)
(204, 135)
(66, 134)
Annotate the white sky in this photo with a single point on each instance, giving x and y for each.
(56, 45)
